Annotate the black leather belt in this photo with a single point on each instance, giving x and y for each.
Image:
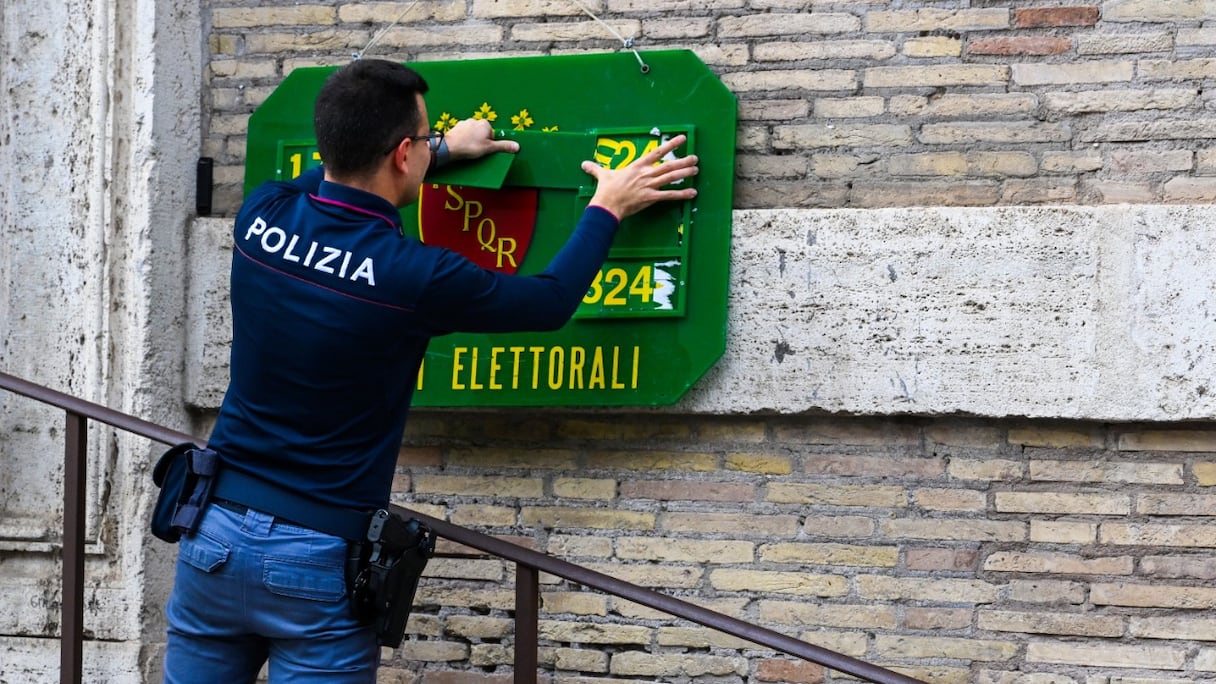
(242, 509)
(235, 487)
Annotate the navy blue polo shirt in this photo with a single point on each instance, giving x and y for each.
(332, 310)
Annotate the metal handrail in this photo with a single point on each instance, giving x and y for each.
(529, 563)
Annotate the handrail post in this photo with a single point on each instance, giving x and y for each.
(527, 617)
(71, 659)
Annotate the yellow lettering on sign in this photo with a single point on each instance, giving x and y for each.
(457, 367)
(536, 352)
(578, 356)
(616, 363)
(601, 368)
(557, 362)
(495, 367)
(506, 248)
(473, 383)
(614, 287)
(597, 370)
(486, 230)
(620, 153)
(643, 284)
(297, 163)
(516, 352)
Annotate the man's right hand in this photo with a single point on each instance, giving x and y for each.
(628, 190)
(473, 138)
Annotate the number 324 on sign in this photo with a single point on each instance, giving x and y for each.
(635, 287)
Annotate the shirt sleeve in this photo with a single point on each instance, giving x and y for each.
(463, 297)
(309, 181)
(271, 191)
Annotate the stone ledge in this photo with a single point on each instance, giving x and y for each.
(29, 659)
(1089, 313)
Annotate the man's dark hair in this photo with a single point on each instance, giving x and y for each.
(362, 110)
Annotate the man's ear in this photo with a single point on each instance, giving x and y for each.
(398, 156)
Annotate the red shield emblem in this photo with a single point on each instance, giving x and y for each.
(493, 228)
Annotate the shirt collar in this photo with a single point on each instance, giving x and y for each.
(359, 201)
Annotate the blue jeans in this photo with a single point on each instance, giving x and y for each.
(250, 588)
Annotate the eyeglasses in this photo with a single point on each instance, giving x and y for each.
(433, 139)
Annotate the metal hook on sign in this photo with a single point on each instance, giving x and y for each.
(627, 42)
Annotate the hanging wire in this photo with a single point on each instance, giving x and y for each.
(376, 38)
(627, 42)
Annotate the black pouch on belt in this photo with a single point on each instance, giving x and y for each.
(185, 475)
(384, 570)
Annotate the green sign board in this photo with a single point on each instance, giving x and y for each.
(654, 320)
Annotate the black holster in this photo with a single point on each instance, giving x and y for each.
(382, 573)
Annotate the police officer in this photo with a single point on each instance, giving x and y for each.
(332, 309)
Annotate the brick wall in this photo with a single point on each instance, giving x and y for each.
(955, 550)
(862, 104)
(1000, 552)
